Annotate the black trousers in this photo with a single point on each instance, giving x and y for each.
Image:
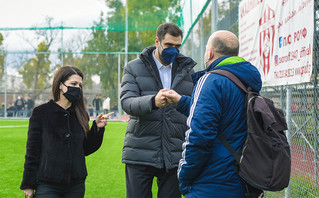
(47, 190)
(139, 180)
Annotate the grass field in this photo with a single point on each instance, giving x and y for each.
(106, 177)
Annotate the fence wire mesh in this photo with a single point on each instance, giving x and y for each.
(18, 96)
(299, 102)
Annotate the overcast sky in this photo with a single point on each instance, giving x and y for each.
(25, 13)
(28, 13)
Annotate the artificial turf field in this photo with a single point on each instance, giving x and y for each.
(106, 177)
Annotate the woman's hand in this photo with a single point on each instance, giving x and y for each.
(101, 120)
(28, 193)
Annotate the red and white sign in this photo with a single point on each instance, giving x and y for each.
(277, 37)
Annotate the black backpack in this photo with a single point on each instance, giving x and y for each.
(264, 163)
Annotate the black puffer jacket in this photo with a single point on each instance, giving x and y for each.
(57, 146)
(153, 137)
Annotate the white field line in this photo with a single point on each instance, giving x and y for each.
(14, 126)
(28, 125)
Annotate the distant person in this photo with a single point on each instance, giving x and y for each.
(19, 103)
(90, 110)
(59, 138)
(106, 104)
(2, 108)
(154, 137)
(115, 110)
(11, 110)
(217, 106)
(97, 104)
(30, 105)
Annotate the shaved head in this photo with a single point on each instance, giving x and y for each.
(224, 43)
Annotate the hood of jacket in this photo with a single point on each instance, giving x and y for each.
(244, 70)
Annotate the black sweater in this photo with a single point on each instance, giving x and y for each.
(57, 146)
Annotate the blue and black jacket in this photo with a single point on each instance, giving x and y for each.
(216, 106)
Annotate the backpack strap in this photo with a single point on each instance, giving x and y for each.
(251, 192)
(242, 87)
(231, 149)
(231, 77)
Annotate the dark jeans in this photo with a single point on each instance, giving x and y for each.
(139, 180)
(46, 190)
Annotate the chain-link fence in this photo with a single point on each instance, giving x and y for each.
(299, 102)
(18, 99)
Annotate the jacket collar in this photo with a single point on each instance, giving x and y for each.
(196, 76)
(182, 65)
(58, 108)
(225, 60)
(183, 62)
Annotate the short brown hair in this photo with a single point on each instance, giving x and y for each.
(168, 28)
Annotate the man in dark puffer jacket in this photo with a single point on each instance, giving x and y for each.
(154, 136)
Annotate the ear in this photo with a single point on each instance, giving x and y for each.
(157, 41)
(208, 54)
(211, 53)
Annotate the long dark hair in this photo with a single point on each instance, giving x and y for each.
(61, 75)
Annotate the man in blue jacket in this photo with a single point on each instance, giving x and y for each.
(216, 106)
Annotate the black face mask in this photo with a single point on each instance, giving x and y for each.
(73, 94)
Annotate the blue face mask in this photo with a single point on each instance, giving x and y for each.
(169, 54)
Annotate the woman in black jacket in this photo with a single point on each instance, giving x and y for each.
(59, 138)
